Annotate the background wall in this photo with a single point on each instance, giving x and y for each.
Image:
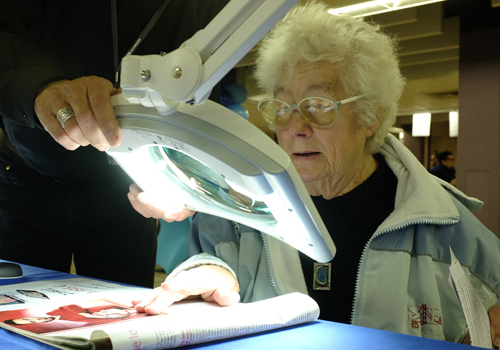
(479, 141)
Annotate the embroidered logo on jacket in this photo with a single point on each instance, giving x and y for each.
(426, 319)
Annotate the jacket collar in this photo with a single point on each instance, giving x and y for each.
(420, 196)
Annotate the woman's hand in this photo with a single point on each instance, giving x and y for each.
(149, 208)
(212, 283)
(494, 314)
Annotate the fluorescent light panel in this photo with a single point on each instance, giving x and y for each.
(421, 125)
(453, 124)
(379, 6)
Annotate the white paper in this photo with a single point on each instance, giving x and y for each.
(475, 314)
(194, 322)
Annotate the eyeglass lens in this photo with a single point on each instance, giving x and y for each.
(317, 111)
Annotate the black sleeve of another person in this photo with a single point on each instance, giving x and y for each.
(40, 42)
(444, 173)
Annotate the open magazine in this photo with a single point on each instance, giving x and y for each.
(81, 313)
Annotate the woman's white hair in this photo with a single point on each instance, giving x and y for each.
(364, 59)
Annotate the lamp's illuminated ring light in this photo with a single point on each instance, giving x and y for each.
(240, 156)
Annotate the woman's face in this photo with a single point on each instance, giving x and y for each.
(325, 158)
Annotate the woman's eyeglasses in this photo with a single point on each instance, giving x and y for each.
(317, 111)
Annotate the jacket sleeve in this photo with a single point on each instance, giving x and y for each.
(21, 70)
(206, 231)
(199, 260)
(240, 249)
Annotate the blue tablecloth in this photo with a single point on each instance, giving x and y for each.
(314, 335)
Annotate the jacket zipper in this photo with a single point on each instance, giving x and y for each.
(268, 264)
(390, 229)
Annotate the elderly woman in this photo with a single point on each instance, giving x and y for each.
(335, 84)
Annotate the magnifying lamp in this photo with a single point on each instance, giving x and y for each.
(178, 145)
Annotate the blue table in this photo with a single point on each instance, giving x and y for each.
(314, 335)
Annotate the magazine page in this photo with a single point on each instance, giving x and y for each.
(32, 294)
(193, 322)
(37, 302)
(56, 319)
(72, 312)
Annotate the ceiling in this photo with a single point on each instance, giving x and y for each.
(429, 56)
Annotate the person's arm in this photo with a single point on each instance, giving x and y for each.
(29, 83)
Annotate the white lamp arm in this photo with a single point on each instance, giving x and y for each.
(189, 73)
(204, 155)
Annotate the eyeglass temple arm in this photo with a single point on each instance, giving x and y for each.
(347, 100)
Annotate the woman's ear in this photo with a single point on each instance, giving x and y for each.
(372, 129)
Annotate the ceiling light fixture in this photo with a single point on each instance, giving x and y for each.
(453, 116)
(421, 125)
(379, 6)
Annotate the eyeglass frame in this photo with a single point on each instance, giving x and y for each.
(336, 105)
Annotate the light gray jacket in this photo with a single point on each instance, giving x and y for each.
(402, 284)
